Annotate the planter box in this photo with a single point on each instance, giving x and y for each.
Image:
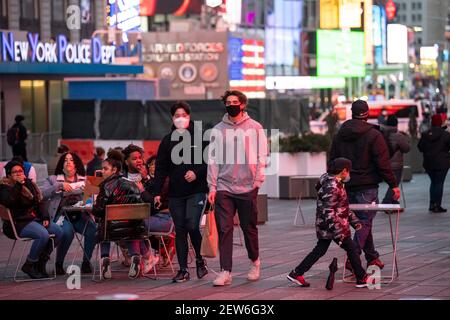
(296, 164)
(291, 187)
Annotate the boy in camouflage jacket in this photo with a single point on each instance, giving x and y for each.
(333, 219)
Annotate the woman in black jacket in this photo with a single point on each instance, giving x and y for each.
(187, 185)
(435, 146)
(23, 198)
(116, 189)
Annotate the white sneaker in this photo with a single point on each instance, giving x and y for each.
(106, 268)
(223, 279)
(135, 267)
(255, 270)
(150, 263)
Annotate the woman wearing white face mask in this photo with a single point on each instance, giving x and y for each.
(186, 170)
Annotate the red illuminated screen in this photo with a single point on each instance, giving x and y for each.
(175, 7)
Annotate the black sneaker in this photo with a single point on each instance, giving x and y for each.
(86, 267)
(60, 269)
(439, 209)
(362, 283)
(30, 269)
(295, 278)
(182, 276)
(135, 268)
(201, 268)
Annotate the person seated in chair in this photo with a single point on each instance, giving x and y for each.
(65, 188)
(116, 189)
(160, 220)
(23, 198)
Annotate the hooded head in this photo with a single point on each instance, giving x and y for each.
(436, 120)
(19, 118)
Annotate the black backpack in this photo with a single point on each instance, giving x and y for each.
(12, 135)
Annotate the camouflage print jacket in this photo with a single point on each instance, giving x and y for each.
(333, 215)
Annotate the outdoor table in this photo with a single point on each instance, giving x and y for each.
(389, 209)
(86, 209)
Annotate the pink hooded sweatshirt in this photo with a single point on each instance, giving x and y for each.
(237, 155)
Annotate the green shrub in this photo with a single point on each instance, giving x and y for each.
(306, 143)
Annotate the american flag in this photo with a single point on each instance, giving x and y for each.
(246, 66)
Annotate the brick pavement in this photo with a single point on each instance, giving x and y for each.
(424, 262)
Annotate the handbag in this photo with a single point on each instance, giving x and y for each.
(210, 238)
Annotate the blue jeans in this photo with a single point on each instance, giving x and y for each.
(68, 234)
(363, 237)
(41, 236)
(135, 248)
(186, 213)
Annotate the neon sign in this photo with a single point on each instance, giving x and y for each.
(59, 51)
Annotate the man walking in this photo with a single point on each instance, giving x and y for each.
(364, 145)
(16, 137)
(238, 151)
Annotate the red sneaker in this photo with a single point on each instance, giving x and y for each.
(292, 276)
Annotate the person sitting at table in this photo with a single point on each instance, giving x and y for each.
(160, 220)
(23, 197)
(116, 189)
(64, 189)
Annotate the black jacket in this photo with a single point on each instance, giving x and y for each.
(23, 201)
(435, 146)
(23, 135)
(148, 195)
(117, 190)
(93, 165)
(364, 145)
(165, 167)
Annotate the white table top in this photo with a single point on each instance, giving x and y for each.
(375, 207)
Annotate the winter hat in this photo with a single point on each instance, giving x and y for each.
(339, 164)
(12, 164)
(19, 118)
(360, 109)
(436, 120)
(392, 121)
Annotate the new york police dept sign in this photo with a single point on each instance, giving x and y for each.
(59, 51)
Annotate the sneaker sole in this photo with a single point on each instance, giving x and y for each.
(297, 282)
(361, 285)
(180, 281)
(221, 285)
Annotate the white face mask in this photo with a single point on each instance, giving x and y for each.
(347, 179)
(181, 123)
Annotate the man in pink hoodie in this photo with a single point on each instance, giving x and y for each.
(237, 158)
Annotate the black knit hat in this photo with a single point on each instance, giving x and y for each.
(19, 118)
(392, 121)
(339, 164)
(360, 109)
(12, 164)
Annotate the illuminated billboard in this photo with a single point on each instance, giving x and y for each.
(174, 7)
(397, 43)
(329, 14)
(340, 53)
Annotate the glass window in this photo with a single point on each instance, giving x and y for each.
(27, 9)
(413, 5)
(419, 17)
(57, 92)
(419, 5)
(413, 17)
(3, 8)
(34, 105)
(58, 10)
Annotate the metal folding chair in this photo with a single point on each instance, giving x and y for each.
(5, 215)
(121, 212)
(161, 236)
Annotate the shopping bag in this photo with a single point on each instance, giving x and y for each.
(210, 238)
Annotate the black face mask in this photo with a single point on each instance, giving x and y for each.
(233, 111)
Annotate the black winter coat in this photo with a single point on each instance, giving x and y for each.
(23, 201)
(117, 190)
(165, 167)
(435, 146)
(364, 144)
